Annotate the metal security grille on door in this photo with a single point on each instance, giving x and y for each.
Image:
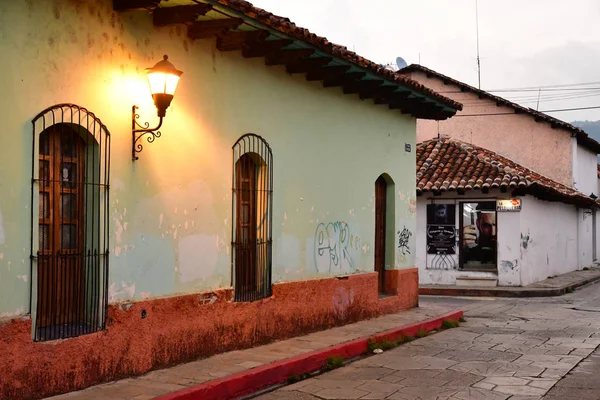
(70, 240)
(252, 210)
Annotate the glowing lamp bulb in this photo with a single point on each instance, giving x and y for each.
(163, 79)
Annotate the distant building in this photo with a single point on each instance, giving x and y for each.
(520, 187)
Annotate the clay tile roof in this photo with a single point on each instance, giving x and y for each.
(582, 137)
(287, 27)
(442, 162)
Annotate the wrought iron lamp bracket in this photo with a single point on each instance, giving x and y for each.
(138, 131)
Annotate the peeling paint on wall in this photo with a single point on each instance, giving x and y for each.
(16, 313)
(509, 265)
(412, 206)
(120, 292)
(118, 229)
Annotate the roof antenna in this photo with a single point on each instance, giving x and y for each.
(477, 27)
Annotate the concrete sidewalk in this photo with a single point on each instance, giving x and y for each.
(556, 286)
(252, 369)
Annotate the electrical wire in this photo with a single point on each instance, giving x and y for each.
(513, 113)
(488, 102)
(545, 87)
(546, 90)
(566, 87)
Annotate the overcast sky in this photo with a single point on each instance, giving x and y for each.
(523, 43)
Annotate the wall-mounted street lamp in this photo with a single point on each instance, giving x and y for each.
(163, 79)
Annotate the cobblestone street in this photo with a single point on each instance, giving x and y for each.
(517, 349)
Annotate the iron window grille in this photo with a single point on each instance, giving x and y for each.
(69, 223)
(252, 210)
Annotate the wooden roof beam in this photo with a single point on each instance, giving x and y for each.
(179, 14)
(134, 5)
(230, 41)
(406, 107)
(327, 72)
(212, 27)
(285, 57)
(263, 48)
(391, 97)
(380, 92)
(361, 86)
(306, 65)
(341, 80)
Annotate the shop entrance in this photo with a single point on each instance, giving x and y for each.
(478, 233)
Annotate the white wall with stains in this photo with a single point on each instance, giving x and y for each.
(544, 239)
(586, 170)
(170, 211)
(549, 239)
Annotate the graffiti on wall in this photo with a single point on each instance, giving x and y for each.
(403, 241)
(333, 245)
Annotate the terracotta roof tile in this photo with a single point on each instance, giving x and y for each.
(447, 164)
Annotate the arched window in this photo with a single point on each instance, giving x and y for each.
(69, 233)
(384, 227)
(252, 218)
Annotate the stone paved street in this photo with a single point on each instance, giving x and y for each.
(517, 349)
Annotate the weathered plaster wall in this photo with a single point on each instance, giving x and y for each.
(171, 210)
(184, 328)
(515, 136)
(586, 171)
(585, 237)
(549, 239)
(439, 270)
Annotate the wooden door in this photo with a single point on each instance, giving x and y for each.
(380, 211)
(61, 227)
(246, 225)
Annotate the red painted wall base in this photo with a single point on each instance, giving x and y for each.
(185, 328)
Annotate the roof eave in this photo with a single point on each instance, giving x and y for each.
(440, 107)
(238, 25)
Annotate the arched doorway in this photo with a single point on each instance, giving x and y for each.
(384, 224)
(69, 240)
(252, 217)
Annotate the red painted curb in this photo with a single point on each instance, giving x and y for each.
(253, 380)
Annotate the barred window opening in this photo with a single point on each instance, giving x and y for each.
(70, 239)
(252, 218)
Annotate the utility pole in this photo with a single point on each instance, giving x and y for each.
(477, 28)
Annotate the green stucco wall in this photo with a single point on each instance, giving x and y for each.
(170, 211)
